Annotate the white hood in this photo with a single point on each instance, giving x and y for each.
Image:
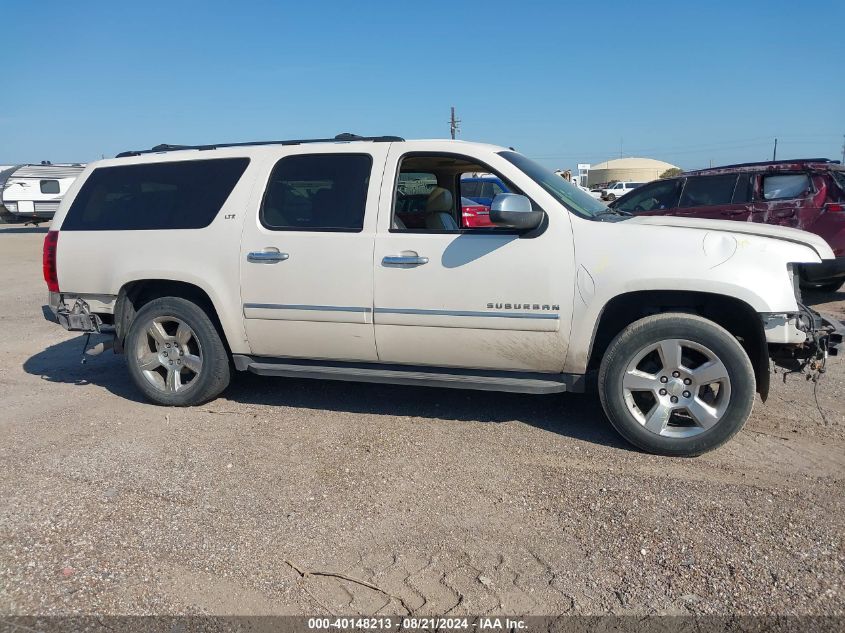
(785, 233)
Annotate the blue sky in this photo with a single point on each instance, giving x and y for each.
(563, 82)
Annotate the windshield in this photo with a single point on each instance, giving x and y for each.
(570, 196)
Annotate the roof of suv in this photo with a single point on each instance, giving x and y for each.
(773, 165)
(345, 137)
(230, 149)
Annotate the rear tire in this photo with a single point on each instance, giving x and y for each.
(676, 384)
(611, 197)
(175, 354)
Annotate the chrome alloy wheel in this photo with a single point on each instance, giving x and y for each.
(169, 354)
(676, 388)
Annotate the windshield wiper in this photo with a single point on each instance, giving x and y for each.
(611, 211)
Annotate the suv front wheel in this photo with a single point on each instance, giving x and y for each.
(676, 384)
(175, 354)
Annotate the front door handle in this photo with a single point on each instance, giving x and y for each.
(404, 260)
(266, 257)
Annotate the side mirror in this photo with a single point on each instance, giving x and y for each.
(514, 211)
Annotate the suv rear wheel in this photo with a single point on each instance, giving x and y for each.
(175, 354)
(676, 384)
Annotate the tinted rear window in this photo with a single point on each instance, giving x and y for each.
(744, 189)
(176, 195)
(318, 192)
(701, 191)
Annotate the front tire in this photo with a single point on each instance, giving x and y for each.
(175, 354)
(676, 384)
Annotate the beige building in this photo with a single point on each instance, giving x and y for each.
(627, 169)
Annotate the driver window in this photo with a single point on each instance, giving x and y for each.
(445, 193)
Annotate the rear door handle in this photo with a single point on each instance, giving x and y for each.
(404, 260)
(266, 256)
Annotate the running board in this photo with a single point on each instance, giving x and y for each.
(452, 378)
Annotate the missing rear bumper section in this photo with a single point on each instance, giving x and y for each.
(77, 318)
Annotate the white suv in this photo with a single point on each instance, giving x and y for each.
(346, 259)
(618, 189)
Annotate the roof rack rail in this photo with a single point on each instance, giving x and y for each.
(345, 137)
(770, 162)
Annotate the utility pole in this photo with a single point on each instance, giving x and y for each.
(843, 149)
(775, 151)
(454, 124)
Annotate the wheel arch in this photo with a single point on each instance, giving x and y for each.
(735, 315)
(133, 295)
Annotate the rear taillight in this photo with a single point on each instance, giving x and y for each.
(834, 207)
(51, 272)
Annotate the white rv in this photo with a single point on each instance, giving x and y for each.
(33, 192)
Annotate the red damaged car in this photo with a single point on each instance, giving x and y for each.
(807, 194)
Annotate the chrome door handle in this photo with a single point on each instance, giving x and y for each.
(266, 257)
(404, 260)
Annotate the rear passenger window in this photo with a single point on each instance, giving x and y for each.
(785, 186)
(743, 189)
(701, 191)
(317, 192)
(171, 195)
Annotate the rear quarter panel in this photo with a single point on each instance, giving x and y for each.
(102, 262)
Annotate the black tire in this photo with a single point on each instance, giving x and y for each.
(207, 344)
(611, 197)
(8, 218)
(649, 331)
(831, 286)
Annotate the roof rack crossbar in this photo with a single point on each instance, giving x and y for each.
(761, 163)
(340, 138)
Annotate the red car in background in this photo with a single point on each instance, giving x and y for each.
(474, 215)
(807, 194)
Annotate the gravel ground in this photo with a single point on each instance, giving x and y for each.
(447, 501)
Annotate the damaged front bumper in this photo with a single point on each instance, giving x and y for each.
(803, 341)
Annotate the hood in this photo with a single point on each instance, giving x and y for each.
(796, 236)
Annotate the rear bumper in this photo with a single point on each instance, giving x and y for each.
(827, 270)
(78, 318)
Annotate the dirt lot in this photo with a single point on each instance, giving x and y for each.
(448, 501)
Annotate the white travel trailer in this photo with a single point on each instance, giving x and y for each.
(33, 192)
